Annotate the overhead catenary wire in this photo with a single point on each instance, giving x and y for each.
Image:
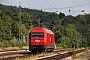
(50, 4)
(69, 6)
(76, 6)
(8, 2)
(55, 4)
(57, 7)
(4, 1)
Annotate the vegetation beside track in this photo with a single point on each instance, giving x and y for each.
(34, 57)
(70, 31)
(30, 56)
(14, 48)
(84, 56)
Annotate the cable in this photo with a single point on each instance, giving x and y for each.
(76, 6)
(12, 3)
(3, 1)
(68, 7)
(55, 4)
(50, 4)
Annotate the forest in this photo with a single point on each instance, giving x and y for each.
(15, 26)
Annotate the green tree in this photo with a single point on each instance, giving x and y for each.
(61, 15)
(26, 20)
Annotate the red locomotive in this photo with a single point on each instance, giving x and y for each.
(41, 39)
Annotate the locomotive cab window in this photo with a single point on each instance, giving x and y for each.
(37, 34)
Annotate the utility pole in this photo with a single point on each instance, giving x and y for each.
(20, 37)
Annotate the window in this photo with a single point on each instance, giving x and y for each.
(38, 34)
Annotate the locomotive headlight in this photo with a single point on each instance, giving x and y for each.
(42, 43)
(32, 43)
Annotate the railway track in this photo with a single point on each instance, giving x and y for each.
(62, 56)
(11, 55)
(25, 54)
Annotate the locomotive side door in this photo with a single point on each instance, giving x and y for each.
(49, 39)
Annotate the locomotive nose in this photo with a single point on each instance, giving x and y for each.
(37, 41)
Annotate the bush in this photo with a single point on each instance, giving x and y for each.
(1, 44)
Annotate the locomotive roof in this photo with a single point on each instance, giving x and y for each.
(44, 29)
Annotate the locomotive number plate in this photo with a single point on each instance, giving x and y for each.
(37, 40)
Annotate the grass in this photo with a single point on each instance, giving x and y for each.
(13, 48)
(34, 57)
(83, 55)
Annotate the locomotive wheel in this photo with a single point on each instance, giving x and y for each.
(52, 50)
(40, 50)
(48, 50)
(34, 51)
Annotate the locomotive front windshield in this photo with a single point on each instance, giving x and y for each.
(37, 34)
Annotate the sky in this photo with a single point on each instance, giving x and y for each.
(69, 7)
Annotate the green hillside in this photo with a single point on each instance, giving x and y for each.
(69, 30)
